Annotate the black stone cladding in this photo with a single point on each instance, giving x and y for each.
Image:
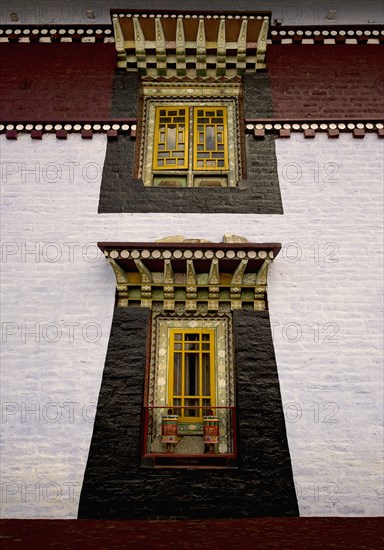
(125, 94)
(257, 98)
(116, 487)
(258, 194)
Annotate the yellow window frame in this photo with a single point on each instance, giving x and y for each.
(180, 346)
(171, 139)
(210, 138)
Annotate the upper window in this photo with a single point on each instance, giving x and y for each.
(190, 141)
(207, 150)
(190, 146)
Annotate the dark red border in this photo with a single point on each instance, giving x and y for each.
(280, 533)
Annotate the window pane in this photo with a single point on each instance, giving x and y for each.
(177, 411)
(207, 409)
(192, 403)
(206, 374)
(191, 374)
(177, 374)
(192, 362)
(191, 346)
(212, 124)
(171, 137)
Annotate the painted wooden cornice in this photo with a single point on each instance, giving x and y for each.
(191, 276)
(327, 34)
(277, 34)
(259, 128)
(190, 43)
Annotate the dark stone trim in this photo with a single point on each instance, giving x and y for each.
(115, 487)
(125, 94)
(259, 194)
(257, 96)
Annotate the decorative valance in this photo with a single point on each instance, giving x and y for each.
(164, 44)
(195, 277)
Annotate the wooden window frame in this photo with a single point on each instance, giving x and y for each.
(160, 145)
(183, 351)
(203, 163)
(197, 133)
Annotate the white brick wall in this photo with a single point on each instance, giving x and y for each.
(325, 306)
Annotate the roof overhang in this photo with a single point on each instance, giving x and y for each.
(193, 44)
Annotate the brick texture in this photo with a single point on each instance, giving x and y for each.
(324, 81)
(115, 487)
(77, 80)
(56, 81)
(259, 193)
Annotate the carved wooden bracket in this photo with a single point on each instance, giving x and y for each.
(164, 44)
(187, 276)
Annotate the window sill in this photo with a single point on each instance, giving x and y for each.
(195, 461)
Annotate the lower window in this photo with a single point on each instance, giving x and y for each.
(191, 373)
(190, 409)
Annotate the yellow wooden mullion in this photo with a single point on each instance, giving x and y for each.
(183, 352)
(171, 368)
(182, 375)
(215, 168)
(195, 137)
(200, 369)
(212, 355)
(175, 166)
(156, 138)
